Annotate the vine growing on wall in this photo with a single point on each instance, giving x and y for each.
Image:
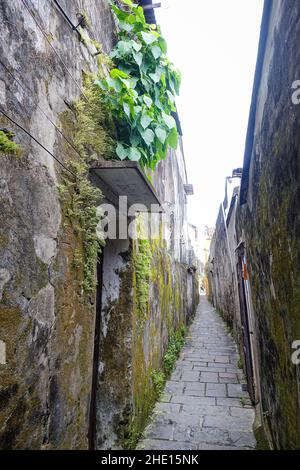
(140, 90)
(87, 127)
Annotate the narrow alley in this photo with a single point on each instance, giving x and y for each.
(150, 228)
(204, 405)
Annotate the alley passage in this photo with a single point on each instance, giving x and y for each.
(203, 406)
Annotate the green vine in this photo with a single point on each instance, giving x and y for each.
(140, 91)
(87, 123)
(81, 199)
(7, 145)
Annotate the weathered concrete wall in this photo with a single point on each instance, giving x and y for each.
(221, 266)
(148, 293)
(45, 320)
(269, 223)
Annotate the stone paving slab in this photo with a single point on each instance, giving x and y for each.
(203, 406)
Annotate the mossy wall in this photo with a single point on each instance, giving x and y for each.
(47, 313)
(144, 301)
(270, 225)
(221, 270)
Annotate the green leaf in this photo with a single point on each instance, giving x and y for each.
(121, 151)
(124, 47)
(127, 82)
(137, 109)
(169, 120)
(155, 76)
(137, 46)
(124, 26)
(145, 120)
(162, 44)
(159, 104)
(177, 81)
(148, 38)
(161, 134)
(148, 136)
(170, 96)
(138, 57)
(147, 100)
(146, 84)
(127, 2)
(117, 73)
(156, 51)
(135, 140)
(113, 83)
(134, 154)
(120, 14)
(126, 108)
(173, 138)
(140, 16)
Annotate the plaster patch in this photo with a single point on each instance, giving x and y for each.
(2, 352)
(45, 133)
(2, 92)
(45, 247)
(4, 278)
(38, 40)
(101, 367)
(105, 320)
(4, 191)
(41, 308)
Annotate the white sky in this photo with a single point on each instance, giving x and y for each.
(214, 44)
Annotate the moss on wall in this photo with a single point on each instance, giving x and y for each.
(271, 224)
(156, 333)
(85, 124)
(7, 145)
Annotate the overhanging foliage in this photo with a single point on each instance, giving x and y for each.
(140, 91)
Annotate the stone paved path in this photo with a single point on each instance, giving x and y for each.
(204, 406)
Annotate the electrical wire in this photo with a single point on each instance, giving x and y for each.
(37, 141)
(53, 48)
(64, 14)
(38, 106)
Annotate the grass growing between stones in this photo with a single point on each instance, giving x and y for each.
(176, 343)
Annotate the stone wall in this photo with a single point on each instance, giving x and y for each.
(268, 226)
(148, 293)
(221, 266)
(47, 320)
